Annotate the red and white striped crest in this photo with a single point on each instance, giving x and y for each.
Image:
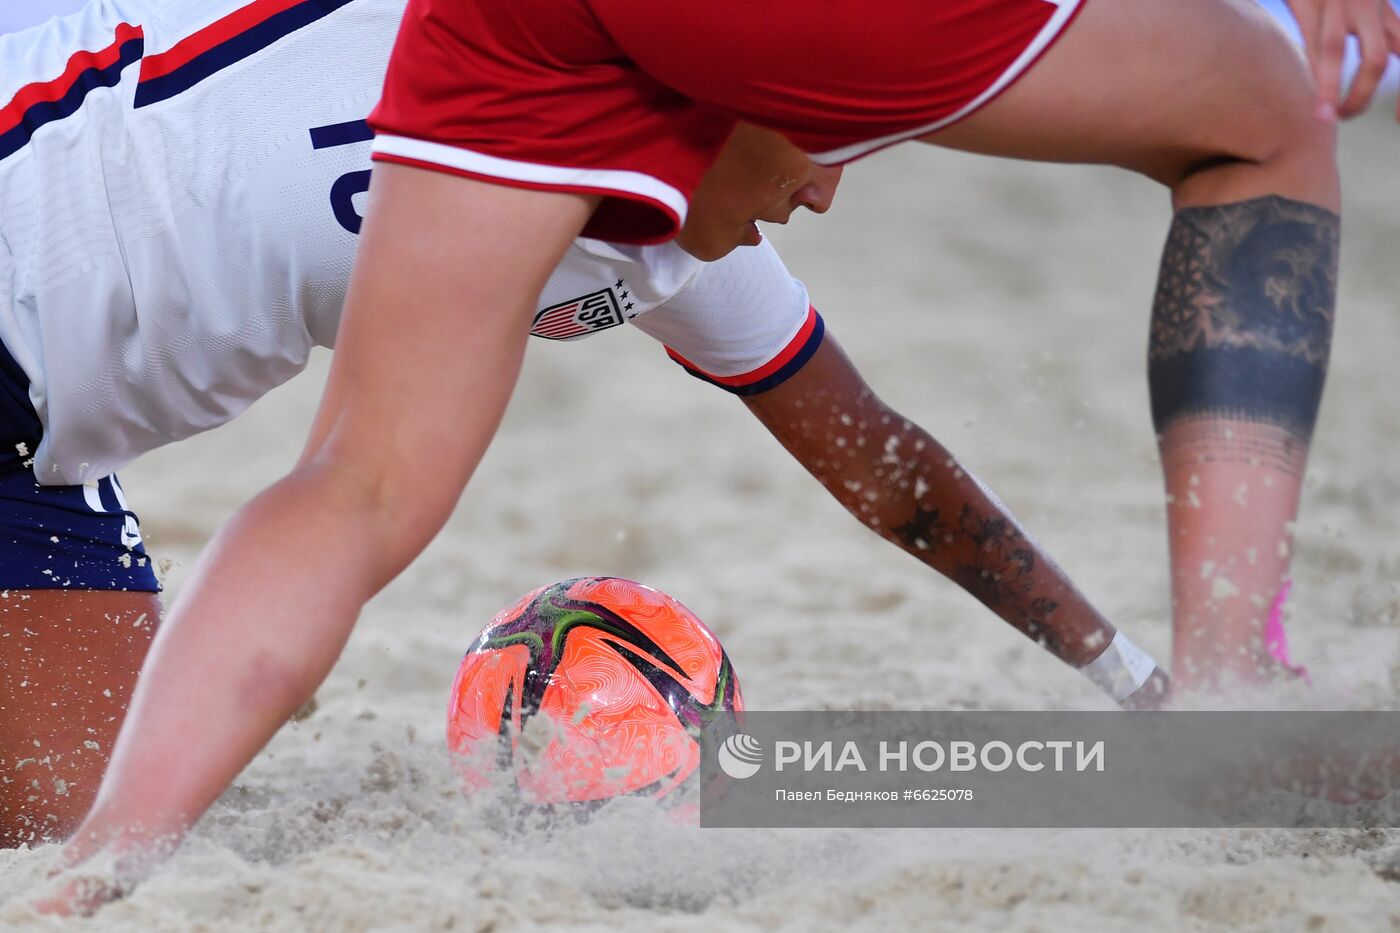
(578, 317)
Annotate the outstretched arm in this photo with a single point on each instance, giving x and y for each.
(907, 488)
(429, 350)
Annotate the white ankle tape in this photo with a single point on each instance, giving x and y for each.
(1121, 669)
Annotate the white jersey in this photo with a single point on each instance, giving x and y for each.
(180, 186)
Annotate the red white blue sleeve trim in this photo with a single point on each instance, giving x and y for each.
(47, 101)
(247, 30)
(224, 42)
(776, 371)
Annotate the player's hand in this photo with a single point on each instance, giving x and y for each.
(77, 896)
(98, 866)
(1155, 692)
(1325, 25)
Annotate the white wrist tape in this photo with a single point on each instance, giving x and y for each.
(1121, 669)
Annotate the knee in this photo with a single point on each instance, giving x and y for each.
(1270, 141)
(1287, 130)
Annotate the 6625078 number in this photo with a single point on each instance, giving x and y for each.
(938, 793)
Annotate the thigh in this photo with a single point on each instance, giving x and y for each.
(78, 608)
(1157, 87)
(68, 663)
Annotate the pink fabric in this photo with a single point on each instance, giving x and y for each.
(1276, 639)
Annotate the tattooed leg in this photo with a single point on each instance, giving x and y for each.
(1241, 328)
(1207, 98)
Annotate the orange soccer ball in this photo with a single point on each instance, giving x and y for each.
(589, 689)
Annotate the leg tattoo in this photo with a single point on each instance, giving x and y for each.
(1241, 332)
(1242, 320)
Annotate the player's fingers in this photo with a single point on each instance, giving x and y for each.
(1309, 20)
(1371, 39)
(1328, 51)
(1390, 22)
(1306, 15)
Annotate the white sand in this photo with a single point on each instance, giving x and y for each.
(1003, 306)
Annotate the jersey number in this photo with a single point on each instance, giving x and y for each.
(344, 189)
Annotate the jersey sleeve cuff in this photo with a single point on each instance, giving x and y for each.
(776, 371)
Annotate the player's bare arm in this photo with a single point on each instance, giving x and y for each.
(424, 366)
(901, 482)
(907, 487)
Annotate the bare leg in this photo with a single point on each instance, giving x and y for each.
(1223, 578)
(68, 663)
(1241, 329)
(1206, 97)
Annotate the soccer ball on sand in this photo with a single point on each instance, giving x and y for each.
(589, 689)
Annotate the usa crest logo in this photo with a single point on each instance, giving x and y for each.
(578, 317)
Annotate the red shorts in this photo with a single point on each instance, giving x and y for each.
(633, 99)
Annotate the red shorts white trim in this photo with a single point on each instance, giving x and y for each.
(633, 99)
(1054, 26)
(617, 183)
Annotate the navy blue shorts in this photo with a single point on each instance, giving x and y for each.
(59, 537)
